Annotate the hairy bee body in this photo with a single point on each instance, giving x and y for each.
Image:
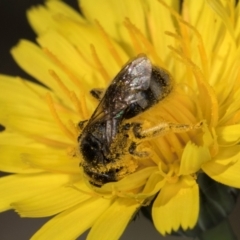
(104, 140)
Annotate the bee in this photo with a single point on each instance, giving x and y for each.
(104, 141)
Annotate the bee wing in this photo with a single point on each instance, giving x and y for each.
(136, 74)
(125, 89)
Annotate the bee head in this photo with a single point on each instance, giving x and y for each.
(92, 150)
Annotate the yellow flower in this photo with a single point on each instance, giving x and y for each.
(76, 53)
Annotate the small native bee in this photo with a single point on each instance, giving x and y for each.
(104, 141)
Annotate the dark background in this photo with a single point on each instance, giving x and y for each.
(13, 26)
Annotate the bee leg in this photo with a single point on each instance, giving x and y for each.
(162, 129)
(97, 93)
(132, 150)
(82, 124)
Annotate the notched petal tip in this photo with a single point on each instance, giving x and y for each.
(169, 209)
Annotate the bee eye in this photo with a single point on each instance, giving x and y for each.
(91, 150)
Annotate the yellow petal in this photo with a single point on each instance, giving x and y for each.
(11, 160)
(63, 8)
(35, 127)
(131, 181)
(30, 117)
(110, 53)
(192, 158)
(71, 28)
(230, 100)
(12, 146)
(221, 11)
(159, 25)
(111, 15)
(53, 160)
(65, 52)
(111, 224)
(14, 91)
(42, 18)
(35, 62)
(209, 32)
(153, 185)
(192, 11)
(22, 186)
(50, 202)
(177, 205)
(73, 222)
(237, 26)
(228, 135)
(225, 167)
